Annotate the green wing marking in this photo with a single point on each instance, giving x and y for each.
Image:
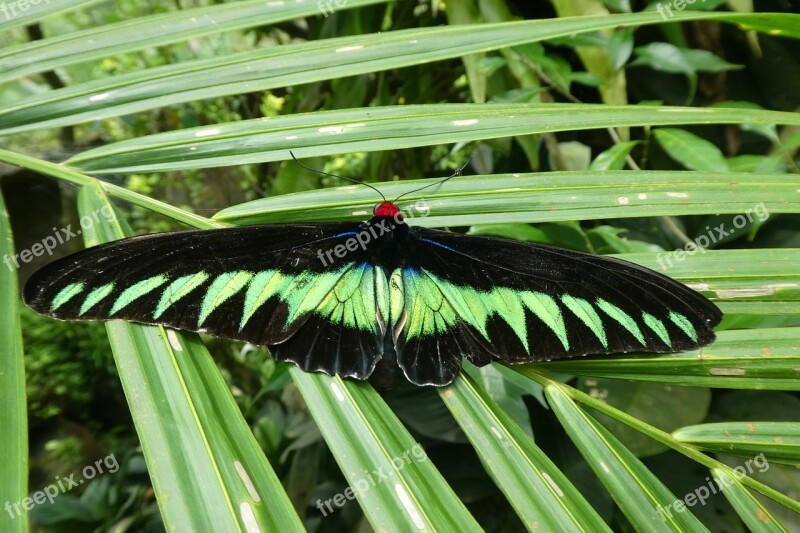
(178, 289)
(223, 288)
(96, 296)
(624, 319)
(586, 313)
(137, 290)
(424, 305)
(66, 294)
(683, 323)
(658, 327)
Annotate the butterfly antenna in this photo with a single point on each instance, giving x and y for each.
(457, 172)
(322, 172)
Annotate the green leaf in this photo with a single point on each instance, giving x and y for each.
(13, 404)
(779, 442)
(691, 151)
(149, 32)
(389, 473)
(620, 47)
(637, 492)
(705, 61)
(207, 470)
(665, 406)
(755, 515)
(18, 14)
(541, 495)
(614, 157)
(296, 64)
(385, 128)
(738, 359)
(520, 232)
(666, 57)
(514, 198)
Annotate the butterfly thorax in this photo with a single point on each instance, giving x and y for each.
(388, 249)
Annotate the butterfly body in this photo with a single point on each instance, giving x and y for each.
(362, 300)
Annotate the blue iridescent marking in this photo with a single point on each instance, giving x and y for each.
(440, 245)
(345, 234)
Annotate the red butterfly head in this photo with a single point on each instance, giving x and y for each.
(387, 209)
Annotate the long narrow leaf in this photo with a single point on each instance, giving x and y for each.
(398, 488)
(779, 442)
(18, 14)
(385, 128)
(13, 405)
(541, 494)
(540, 197)
(206, 467)
(639, 494)
(150, 31)
(755, 515)
(739, 359)
(277, 66)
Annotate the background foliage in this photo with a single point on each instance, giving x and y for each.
(613, 127)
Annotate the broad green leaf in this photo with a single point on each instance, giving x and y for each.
(572, 155)
(389, 473)
(13, 403)
(638, 493)
(706, 61)
(778, 441)
(620, 47)
(541, 495)
(150, 31)
(757, 518)
(207, 470)
(666, 57)
(614, 157)
(383, 128)
(691, 151)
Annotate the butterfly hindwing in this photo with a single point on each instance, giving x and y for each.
(490, 298)
(345, 333)
(253, 283)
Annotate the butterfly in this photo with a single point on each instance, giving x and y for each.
(362, 299)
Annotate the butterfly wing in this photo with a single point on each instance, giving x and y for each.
(252, 283)
(488, 298)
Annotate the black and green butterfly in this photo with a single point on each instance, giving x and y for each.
(359, 300)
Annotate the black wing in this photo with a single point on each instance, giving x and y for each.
(276, 285)
(489, 298)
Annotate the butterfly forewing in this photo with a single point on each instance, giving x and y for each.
(255, 284)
